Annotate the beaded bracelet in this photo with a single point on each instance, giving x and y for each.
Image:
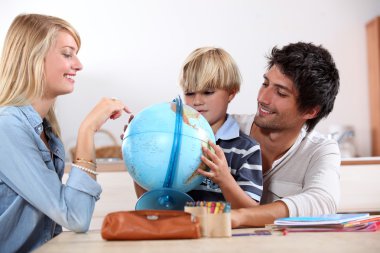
(93, 172)
(85, 161)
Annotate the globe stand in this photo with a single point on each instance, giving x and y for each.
(167, 198)
(163, 199)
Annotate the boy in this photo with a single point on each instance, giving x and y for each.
(210, 79)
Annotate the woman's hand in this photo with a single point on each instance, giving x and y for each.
(126, 126)
(107, 108)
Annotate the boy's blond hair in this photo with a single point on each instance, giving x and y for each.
(210, 68)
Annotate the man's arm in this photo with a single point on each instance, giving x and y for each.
(320, 192)
(258, 216)
(321, 184)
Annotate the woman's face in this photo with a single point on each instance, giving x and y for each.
(61, 65)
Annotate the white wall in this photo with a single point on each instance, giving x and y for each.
(134, 49)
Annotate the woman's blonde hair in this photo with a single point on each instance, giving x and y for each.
(209, 68)
(22, 70)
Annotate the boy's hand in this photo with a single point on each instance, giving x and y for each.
(219, 171)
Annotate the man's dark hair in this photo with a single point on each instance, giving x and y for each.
(313, 71)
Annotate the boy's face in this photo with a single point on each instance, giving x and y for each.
(212, 104)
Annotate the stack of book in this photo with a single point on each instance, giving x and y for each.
(358, 222)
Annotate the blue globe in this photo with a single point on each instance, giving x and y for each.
(147, 147)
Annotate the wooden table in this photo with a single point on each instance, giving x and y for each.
(362, 242)
(118, 194)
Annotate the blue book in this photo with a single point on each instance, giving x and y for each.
(321, 220)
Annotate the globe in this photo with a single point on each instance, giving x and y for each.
(148, 147)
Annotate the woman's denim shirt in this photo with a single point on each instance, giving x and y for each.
(34, 204)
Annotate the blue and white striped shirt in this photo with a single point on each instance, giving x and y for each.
(243, 156)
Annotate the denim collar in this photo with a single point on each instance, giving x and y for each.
(33, 117)
(38, 125)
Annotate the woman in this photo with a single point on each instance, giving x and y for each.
(39, 63)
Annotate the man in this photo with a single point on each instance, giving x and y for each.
(300, 166)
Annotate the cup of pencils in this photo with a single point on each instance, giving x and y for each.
(214, 217)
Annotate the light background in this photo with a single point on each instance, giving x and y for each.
(133, 50)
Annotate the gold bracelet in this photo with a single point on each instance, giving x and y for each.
(85, 161)
(93, 172)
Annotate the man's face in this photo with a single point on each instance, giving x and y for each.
(277, 103)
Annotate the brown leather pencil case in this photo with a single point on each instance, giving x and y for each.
(150, 225)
